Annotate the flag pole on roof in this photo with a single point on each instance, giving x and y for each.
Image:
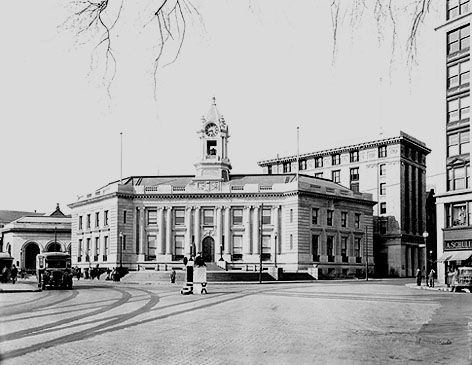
(298, 151)
(121, 157)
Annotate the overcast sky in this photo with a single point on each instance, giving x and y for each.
(268, 63)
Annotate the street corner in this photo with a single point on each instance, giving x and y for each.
(19, 287)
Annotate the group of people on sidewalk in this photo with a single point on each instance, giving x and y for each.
(8, 274)
(429, 279)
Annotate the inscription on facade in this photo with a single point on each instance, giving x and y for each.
(458, 245)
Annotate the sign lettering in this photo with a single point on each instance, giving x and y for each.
(458, 245)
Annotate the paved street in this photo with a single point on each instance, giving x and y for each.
(348, 322)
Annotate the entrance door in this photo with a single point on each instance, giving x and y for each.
(208, 249)
(30, 256)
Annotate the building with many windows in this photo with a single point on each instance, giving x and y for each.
(454, 206)
(289, 221)
(393, 170)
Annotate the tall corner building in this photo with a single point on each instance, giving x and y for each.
(454, 205)
(393, 170)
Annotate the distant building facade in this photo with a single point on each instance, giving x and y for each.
(33, 233)
(394, 171)
(454, 205)
(289, 221)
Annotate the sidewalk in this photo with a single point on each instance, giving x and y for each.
(21, 285)
(437, 287)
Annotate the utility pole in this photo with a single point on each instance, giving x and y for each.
(366, 256)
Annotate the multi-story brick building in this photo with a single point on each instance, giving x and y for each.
(393, 170)
(290, 221)
(454, 205)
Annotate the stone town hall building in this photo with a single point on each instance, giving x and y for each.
(292, 221)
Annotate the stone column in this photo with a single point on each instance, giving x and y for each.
(198, 242)
(219, 232)
(247, 226)
(161, 243)
(169, 248)
(188, 232)
(256, 233)
(142, 231)
(228, 248)
(275, 236)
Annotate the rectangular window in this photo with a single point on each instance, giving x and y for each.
(88, 221)
(106, 246)
(105, 218)
(382, 151)
(179, 217)
(151, 217)
(291, 215)
(357, 220)
(179, 248)
(266, 248)
(87, 250)
(97, 247)
(383, 208)
(314, 215)
(354, 186)
(457, 7)
(124, 217)
(330, 248)
(302, 165)
(151, 247)
(458, 178)
(97, 219)
(287, 167)
(266, 216)
(208, 217)
(383, 170)
(383, 188)
(357, 247)
(344, 242)
(237, 248)
(237, 216)
(383, 226)
(319, 162)
(343, 219)
(269, 170)
(354, 174)
(80, 222)
(123, 242)
(458, 109)
(315, 247)
(329, 217)
(336, 159)
(354, 156)
(319, 175)
(458, 75)
(336, 176)
(458, 40)
(79, 249)
(458, 143)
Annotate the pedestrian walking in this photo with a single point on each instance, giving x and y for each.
(5, 273)
(172, 276)
(418, 277)
(14, 273)
(431, 278)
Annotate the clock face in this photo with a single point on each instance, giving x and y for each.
(211, 130)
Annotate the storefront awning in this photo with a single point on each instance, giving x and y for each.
(455, 256)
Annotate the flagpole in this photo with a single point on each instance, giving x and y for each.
(121, 157)
(298, 151)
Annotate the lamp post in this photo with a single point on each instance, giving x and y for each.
(275, 257)
(425, 237)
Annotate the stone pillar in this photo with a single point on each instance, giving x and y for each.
(219, 232)
(188, 232)
(169, 248)
(228, 248)
(275, 235)
(198, 242)
(142, 231)
(247, 226)
(256, 233)
(161, 242)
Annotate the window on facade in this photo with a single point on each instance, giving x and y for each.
(315, 247)
(343, 219)
(266, 216)
(354, 186)
(265, 248)
(269, 170)
(291, 215)
(237, 216)
(357, 220)
(336, 159)
(329, 217)
(179, 247)
(314, 215)
(354, 174)
(458, 143)
(291, 242)
(383, 208)
(237, 247)
(87, 249)
(151, 217)
(287, 167)
(79, 249)
(336, 176)
(151, 247)
(105, 218)
(458, 109)
(458, 178)
(124, 217)
(354, 156)
(383, 188)
(382, 151)
(357, 247)
(80, 222)
(319, 175)
(302, 165)
(383, 170)
(208, 217)
(88, 221)
(97, 219)
(179, 217)
(319, 162)
(458, 214)
(458, 74)
(383, 226)
(458, 40)
(106, 247)
(344, 242)
(97, 247)
(330, 248)
(457, 7)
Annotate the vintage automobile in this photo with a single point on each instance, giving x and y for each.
(53, 269)
(462, 279)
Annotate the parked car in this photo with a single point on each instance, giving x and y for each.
(53, 269)
(462, 279)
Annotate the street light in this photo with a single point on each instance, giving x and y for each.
(425, 237)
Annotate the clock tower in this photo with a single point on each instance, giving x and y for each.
(214, 164)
